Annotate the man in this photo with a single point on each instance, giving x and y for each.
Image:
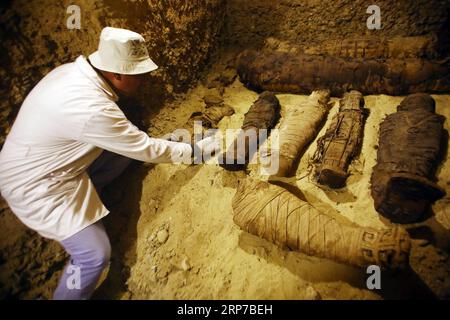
(70, 139)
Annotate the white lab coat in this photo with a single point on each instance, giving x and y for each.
(62, 127)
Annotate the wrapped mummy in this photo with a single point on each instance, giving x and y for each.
(209, 119)
(298, 128)
(302, 73)
(409, 145)
(260, 118)
(275, 214)
(425, 46)
(341, 142)
(198, 124)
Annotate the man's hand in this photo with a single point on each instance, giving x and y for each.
(206, 148)
(169, 137)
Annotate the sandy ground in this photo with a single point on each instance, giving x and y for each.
(174, 238)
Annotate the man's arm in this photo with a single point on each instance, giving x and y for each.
(109, 129)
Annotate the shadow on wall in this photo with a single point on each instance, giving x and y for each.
(30, 265)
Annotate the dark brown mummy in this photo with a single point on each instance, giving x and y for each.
(409, 146)
(302, 73)
(263, 114)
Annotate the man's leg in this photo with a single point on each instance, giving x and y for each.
(106, 168)
(90, 252)
(90, 249)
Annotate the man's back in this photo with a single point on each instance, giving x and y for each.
(44, 159)
(45, 137)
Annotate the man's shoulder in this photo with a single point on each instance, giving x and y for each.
(66, 84)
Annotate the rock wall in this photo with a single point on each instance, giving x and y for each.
(248, 23)
(35, 39)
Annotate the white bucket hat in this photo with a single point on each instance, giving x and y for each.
(122, 51)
